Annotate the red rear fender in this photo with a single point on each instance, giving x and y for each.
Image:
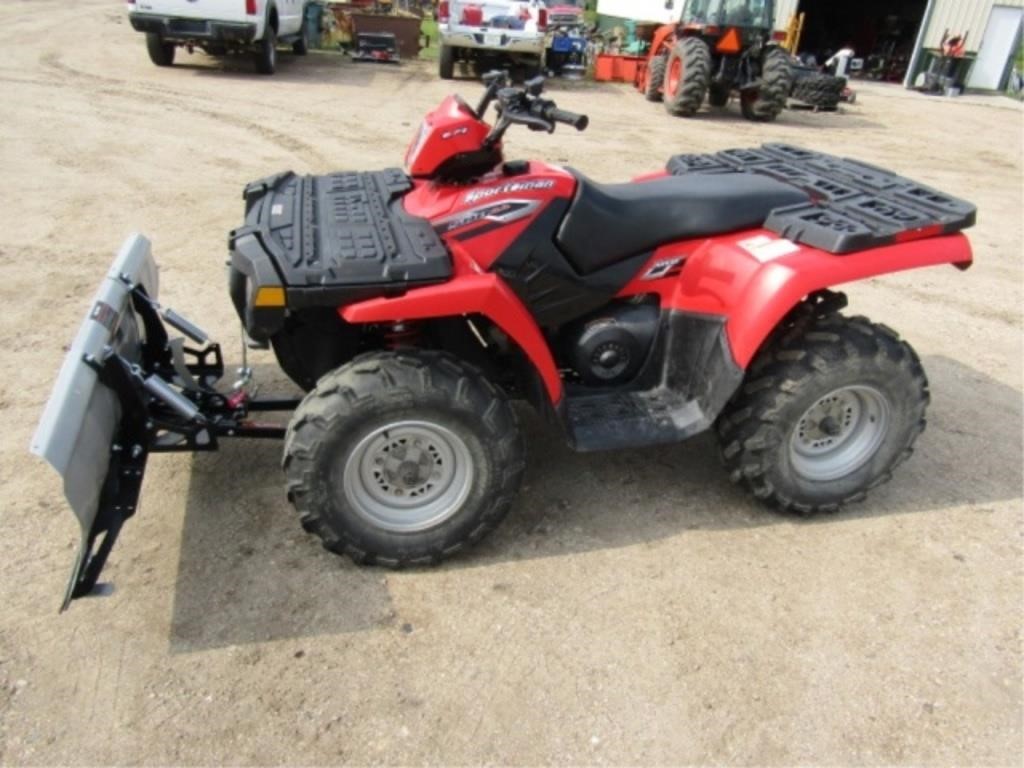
(755, 278)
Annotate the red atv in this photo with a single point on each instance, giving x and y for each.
(415, 306)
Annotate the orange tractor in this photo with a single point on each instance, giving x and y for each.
(720, 47)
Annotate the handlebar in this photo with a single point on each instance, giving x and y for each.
(523, 106)
(556, 115)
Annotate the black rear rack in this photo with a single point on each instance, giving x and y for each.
(854, 206)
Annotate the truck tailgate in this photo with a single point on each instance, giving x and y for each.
(220, 10)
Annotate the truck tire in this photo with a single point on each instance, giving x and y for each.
(265, 57)
(768, 101)
(687, 75)
(446, 61)
(160, 53)
(655, 78)
(830, 408)
(301, 46)
(403, 458)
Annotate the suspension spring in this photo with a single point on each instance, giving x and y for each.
(401, 334)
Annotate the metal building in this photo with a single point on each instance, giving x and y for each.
(992, 27)
(897, 37)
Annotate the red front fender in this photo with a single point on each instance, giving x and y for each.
(469, 294)
(755, 287)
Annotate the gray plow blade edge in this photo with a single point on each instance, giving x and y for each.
(82, 415)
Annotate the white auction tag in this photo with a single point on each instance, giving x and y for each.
(765, 248)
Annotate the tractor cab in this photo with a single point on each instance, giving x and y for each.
(729, 26)
(757, 15)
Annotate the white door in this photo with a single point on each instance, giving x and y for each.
(292, 13)
(1001, 35)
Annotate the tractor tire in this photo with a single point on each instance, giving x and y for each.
(767, 103)
(403, 458)
(160, 53)
(446, 62)
(655, 78)
(718, 95)
(688, 72)
(265, 57)
(830, 408)
(820, 91)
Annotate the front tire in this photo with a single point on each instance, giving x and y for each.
(718, 96)
(403, 458)
(688, 73)
(655, 78)
(830, 409)
(160, 53)
(265, 58)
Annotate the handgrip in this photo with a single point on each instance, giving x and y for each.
(579, 122)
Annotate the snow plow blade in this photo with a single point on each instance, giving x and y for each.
(127, 389)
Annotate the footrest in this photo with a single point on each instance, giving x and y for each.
(854, 206)
(632, 419)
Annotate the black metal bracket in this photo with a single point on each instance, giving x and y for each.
(161, 414)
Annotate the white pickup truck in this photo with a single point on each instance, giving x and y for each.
(220, 27)
(491, 34)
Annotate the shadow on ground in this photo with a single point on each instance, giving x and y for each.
(248, 573)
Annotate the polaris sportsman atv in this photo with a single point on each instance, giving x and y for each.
(414, 306)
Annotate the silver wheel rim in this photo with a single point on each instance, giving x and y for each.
(408, 476)
(840, 433)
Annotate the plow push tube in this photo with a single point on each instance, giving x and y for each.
(127, 389)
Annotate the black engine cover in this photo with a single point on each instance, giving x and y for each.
(610, 347)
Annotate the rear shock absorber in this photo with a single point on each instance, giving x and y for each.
(401, 334)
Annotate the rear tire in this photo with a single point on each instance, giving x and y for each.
(266, 57)
(446, 62)
(656, 78)
(160, 53)
(301, 46)
(688, 72)
(403, 458)
(776, 82)
(830, 408)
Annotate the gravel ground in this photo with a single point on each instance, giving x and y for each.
(635, 608)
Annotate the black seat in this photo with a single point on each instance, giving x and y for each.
(608, 223)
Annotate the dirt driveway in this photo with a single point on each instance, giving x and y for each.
(635, 608)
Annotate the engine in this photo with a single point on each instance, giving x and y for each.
(610, 347)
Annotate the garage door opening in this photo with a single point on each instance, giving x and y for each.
(881, 32)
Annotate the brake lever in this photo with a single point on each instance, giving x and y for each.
(495, 75)
(535, 86)
(496, 80)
